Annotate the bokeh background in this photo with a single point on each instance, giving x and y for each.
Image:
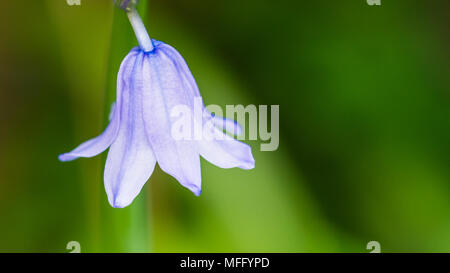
(364, 95)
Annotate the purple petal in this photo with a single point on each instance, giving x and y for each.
(229, 125)
(163, 90)
(226, 152)
(97, 145)
(188, 81)
(191, 87)
(130, 161)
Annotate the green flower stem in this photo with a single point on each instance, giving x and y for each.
(139, 29)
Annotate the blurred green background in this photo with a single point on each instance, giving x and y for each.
(364, 95)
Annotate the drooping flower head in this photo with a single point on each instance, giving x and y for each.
(154, 79)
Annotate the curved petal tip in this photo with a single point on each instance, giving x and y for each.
(66, 157)
(120, 203)
(249, 164)
(248, 161)
(195, 190)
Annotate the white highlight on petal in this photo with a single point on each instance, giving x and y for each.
(111, 111)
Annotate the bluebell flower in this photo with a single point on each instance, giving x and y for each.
(152, 80)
